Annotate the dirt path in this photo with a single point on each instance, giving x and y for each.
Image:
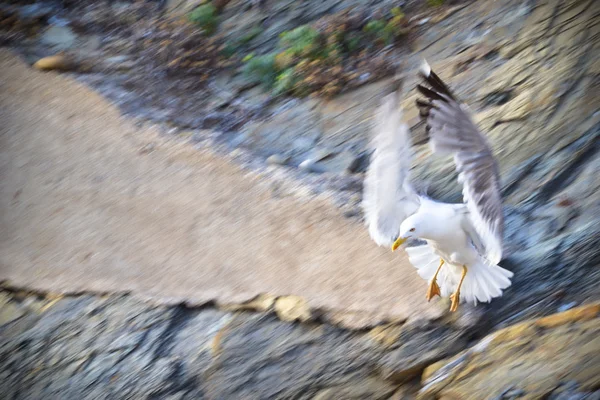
(89, 202)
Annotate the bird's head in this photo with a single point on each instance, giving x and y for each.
(409, 229)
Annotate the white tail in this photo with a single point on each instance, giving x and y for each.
(482, 283)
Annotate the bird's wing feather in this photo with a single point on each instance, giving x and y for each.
(388, 197)
(467, 225)
(451, 130)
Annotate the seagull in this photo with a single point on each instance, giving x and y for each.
(463, 242)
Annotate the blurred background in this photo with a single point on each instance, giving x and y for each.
(180, 200)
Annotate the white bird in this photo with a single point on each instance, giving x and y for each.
(463, 241)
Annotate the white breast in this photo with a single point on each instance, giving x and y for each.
(448, 238)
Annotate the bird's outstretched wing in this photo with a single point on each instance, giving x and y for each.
(388, 197)
(451, 130)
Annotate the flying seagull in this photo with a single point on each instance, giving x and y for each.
(463, 241)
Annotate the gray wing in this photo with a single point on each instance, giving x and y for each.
(451, 130)
(388, 197)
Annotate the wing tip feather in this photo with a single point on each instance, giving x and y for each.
(425, 68)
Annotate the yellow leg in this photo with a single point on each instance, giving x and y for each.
(455, 297)
(434, 289)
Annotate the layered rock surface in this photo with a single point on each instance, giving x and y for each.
(556, 357)
(118, 347)
(529, 72)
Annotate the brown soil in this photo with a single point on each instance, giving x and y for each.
(89, 202)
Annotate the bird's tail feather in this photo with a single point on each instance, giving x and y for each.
(424, 260)
(482, 283)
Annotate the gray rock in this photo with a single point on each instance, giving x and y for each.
(302, 144)
(278, 159)
(347, 120)
(35, 11)
(322, 154)
(119, 347)
(177, 352)
(119, 63)
(59, 37)
(322, 160)
(418, 350)
(293, 128)
(360, 163)
(311, 165)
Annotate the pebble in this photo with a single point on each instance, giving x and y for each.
(360, 163)
(119, 63)
(59, 37)
(322, 154)
(311, 165)
(292, 308)
(567, 306)
(34, 11)
(57, 62)
(302, 144)
(278, 159)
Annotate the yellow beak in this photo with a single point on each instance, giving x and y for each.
(399, 242)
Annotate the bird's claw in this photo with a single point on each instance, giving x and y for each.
(455, 297)
(433, 290)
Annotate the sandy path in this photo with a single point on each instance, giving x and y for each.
(85, 207)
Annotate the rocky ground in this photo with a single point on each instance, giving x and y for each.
(116, 347)
(528, 70)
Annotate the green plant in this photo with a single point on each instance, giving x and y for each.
(397, 12)
(301, 42)
(261, 69)
(380, 30)
(386, 31)
(235, 46)
(325, 60)
(285, 81)
(374, 26)
(333, 53)
(352, 42)
(435, 3)
(252, 33)
(229, 49)
(206, 17)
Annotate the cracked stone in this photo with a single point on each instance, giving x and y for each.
(262, 302)
(57, 62)
(418, 349)
(292, 308)
(9, 311)
(530, 358)
(59, 37)
(278, 159)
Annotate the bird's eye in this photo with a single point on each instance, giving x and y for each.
(412, 229)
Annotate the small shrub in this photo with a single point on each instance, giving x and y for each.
(352, 42)
(380, 31)
(335, 53)
(284, 60)
(374, 26)
(397, 12)
(435, 3)
(261, 69)
(253, 33)
(229, 50)
(235, 46)
(285, 81)
(301, 42)
(206, 17)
